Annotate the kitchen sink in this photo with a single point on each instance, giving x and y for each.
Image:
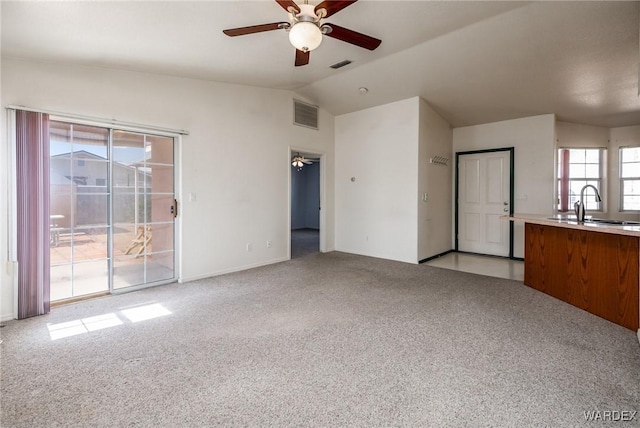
(613, 222)
(560, 217)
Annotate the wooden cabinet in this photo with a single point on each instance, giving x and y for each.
(594, 271)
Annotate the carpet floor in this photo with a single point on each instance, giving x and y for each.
(323, 340)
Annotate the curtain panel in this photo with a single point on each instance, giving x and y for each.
(32, 221)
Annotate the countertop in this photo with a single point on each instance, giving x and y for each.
(572, 223)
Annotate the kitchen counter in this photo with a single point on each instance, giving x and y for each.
(592, 266)
(572, 223)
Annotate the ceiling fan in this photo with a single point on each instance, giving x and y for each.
(298, 161)
(306, 27)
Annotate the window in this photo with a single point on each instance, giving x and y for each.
(630, 179)
(577, 168)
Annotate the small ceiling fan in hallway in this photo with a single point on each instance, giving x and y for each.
(306, 27)
(298, 161)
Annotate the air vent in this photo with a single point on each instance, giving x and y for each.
(340, 64)
(305, 114)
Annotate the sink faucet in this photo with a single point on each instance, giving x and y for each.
(579, 206)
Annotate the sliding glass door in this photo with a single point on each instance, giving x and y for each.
(112, 209)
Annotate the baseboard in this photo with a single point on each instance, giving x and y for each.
(436, 256)
(232, 270)
(7, 317)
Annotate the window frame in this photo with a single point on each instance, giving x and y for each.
(623, 179)
(599, 181)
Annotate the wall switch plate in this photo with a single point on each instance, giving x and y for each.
(248, 246)
(268, 244)
(192, 197)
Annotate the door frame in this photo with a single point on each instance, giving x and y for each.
(323, 220)
(511, 151)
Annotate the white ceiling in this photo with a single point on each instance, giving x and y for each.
(475, 62)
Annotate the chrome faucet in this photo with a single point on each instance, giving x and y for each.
(579, 206)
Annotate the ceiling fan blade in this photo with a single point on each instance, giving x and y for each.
(302, 58)
(353, 37)
(287, 4)
(333, 6)
(241, 31)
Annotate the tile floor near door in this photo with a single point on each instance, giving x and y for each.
(483, 265)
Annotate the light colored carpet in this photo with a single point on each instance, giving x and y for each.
(322, 340)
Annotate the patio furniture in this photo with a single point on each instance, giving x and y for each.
(142, 239)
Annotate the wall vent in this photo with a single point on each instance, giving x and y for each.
(305, 114)
(340, 64)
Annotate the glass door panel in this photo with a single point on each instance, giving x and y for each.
(161, 207)
(142, 210)
(79, 198)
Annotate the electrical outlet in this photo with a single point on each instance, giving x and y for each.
(248, 246)
(268, 244)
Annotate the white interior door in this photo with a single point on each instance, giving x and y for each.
(483, 197)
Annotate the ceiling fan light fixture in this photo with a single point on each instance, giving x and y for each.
(305, 36)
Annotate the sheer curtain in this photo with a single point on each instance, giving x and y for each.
(32, 197)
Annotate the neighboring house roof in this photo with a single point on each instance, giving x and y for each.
(83, 154)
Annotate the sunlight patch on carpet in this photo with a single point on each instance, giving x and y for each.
(81, 326)
(147, 312)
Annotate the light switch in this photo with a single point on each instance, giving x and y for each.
(192, 197)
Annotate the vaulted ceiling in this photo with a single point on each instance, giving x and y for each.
(475, 62)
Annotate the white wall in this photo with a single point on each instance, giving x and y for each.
(578, 135)
(533, 139)
(376, 215)
(236, 158)
(435, 217)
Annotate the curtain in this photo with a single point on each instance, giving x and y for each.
(32, 185)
